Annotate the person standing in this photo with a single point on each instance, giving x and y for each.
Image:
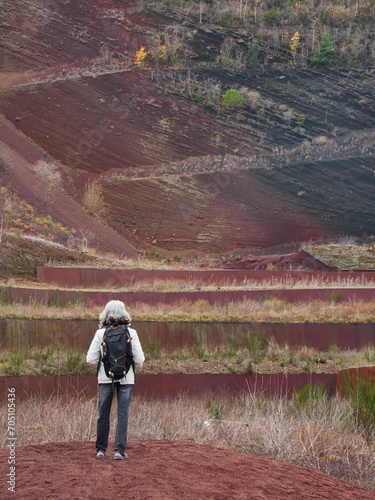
(114, 314)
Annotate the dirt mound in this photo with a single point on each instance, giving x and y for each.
(165, 470)
(298, 261)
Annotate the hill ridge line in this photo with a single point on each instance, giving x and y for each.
(311, 152)
(67, 77)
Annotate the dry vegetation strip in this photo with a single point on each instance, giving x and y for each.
(171, 285)
(268, 310)
(312, 430)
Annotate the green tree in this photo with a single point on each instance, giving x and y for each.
(253, 54)
(300, 120)
(271, 16)
(232, 99)
(326, 55)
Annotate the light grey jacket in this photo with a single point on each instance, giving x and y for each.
(95, 350)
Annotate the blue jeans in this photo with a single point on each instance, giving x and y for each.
(124, 396)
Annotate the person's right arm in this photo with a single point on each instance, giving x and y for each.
(93, 353)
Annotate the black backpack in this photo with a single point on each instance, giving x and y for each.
(117, 352)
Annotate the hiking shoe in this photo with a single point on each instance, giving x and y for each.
(120, 455)
(101, 454)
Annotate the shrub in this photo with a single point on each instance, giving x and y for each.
(214, 409)
(227, 51)
(153, 349)
(93, 199)
(174, 47)
(14, 365)
(49, 173)
(254, 99)
(140, 57)
(201, 351)
(335, 297)
(362, 400)
(300, 120)
(309, 394)
(230, 350)
(198, 96)
(76, 364)
(257, 345)
(271, 16)
(232, 99)
(154, 254)
(5, 299)
(235, 256)
(322, 139)
(53, 302)
(4, 164)
(75, 301)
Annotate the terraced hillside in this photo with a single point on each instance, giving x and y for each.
(178, 170)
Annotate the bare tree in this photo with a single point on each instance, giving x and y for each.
(174, 38)
(49, 173)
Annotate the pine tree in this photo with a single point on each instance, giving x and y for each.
(326, 55)
(253, 54)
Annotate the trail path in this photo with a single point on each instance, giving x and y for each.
(159, 470)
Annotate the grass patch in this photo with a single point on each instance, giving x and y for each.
(153, 350)
(5, 299)
(362, 400)
(48, 361)
(345, 255)
(308, 395)
(335, 297)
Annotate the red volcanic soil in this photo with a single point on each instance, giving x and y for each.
(165, 470)
(69, 84)
(219, 211)
(20, 153)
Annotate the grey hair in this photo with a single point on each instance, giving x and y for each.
(114, 312)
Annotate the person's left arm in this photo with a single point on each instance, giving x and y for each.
(138, 355)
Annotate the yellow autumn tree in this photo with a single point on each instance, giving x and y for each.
(140, 56)
(162, 52)
(294, 45)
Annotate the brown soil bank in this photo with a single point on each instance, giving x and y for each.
(165, 470)
(169, 385)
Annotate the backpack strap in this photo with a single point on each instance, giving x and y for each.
(98, 367)
(100, 355)
(132, 358)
